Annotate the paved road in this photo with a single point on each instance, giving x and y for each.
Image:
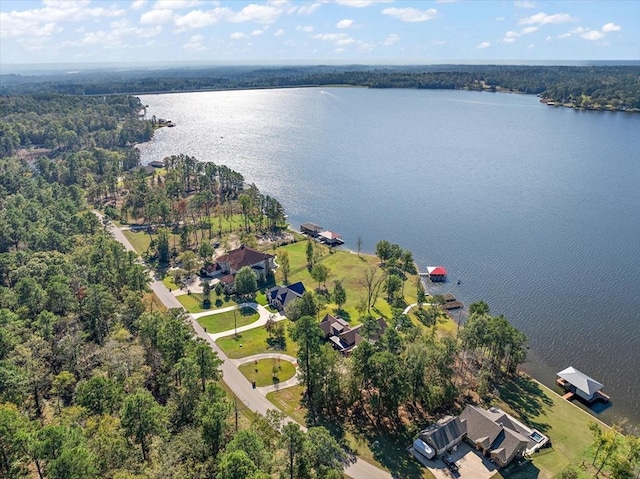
(241, 387)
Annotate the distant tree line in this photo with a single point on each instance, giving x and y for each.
(614, 87)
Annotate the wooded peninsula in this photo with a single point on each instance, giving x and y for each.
(124, 287)
(603, 87)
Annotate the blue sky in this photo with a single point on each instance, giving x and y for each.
(364, 31)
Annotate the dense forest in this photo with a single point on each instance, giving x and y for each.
(97, 379)
(593, 87)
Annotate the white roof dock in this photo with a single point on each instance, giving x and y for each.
(580, 380)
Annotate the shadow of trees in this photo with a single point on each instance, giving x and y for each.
(525, 395)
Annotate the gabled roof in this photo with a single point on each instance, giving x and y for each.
(443, 433)
(311, 227)
(580, 380)
(437, 270)
(330, 235)
(507, 444)
(481, 429)
(286, 294)
(243, 256)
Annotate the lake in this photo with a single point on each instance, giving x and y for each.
(535, 209)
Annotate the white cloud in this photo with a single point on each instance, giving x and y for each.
(278, 33)
(154, 17)
(195, 43)
(592, 35)
(391, 39)
(257, 13)
(511, 35)
(360, 3)
(484, 45)
(308, 9)
(200, 18)
(41, 22)
(175, 4)
(409, 14)
(345, 23)
(544, 19)
(332, 37)
(305, 28)
(238, 35)
(524, 4)
(255, 33)
(611, 27)
(138, 4)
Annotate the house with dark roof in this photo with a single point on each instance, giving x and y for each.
(492, 431)
(280, 296)
(444, 435)
(229, 264)
(344, 337)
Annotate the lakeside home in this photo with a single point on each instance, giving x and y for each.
(493, 432)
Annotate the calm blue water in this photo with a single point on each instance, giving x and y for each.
(535, 209)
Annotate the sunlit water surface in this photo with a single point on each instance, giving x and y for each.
(535, 209)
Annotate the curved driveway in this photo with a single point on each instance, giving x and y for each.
(254, 399)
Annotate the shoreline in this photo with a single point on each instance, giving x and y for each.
(346, 85)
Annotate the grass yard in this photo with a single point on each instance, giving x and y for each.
(217, 323)
(268, 371)
(254, 341)
(382, 450)
(169, 283)
(139, 240)
(564, 423)
(288, 401)
(347, 267)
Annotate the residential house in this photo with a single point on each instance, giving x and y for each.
(280, 296)
(344, 337)
(493, 433)
(443, 435)
(229, 264)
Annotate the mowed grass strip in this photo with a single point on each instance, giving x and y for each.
(139, 240)
(268, 371)
(541, 408)
(347, 267)
(227, 321)
(254, 341)
(288, 401)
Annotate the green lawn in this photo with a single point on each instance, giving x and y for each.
(564, 423)
(254, 341)
(193, 302)
(217, 323)
(382, 450)
(347, 267)
(169, 283)
(288, 401)
(139, 240)
(268, 371)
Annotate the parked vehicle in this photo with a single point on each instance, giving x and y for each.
(450, 463)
